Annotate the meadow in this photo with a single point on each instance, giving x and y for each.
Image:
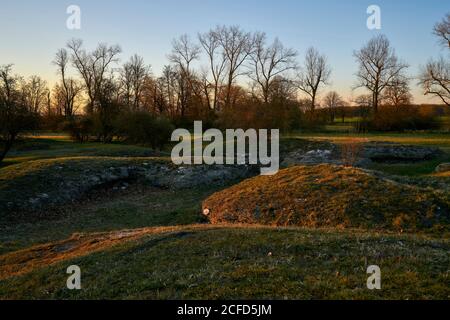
(133, 240)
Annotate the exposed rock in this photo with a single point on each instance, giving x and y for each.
(192, 176)
(443, 167)
(327, 153)
(371, 152)
(391, 152)
(68, 184)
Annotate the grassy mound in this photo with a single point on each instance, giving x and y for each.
(330, 196)
(36, 184)
(443, 174)
(31, 188)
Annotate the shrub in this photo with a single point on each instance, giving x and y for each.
(160, 132)
(401, 119)
(143, 127)
(14, 120)
(350, 151)
(285, 116)
(79, 128)
(52, 122)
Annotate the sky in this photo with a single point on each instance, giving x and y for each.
(31, 31)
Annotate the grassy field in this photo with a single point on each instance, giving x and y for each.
(137, 207)
(441, 140)
(48, 147)
(231, 262)
(141, 242)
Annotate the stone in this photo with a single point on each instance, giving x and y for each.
(390, 152)
(311, 157)
(124, 172)
(443, 167)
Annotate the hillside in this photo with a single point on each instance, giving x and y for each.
(330, 196)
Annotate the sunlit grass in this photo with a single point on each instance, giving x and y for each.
(181, 258)
(435, 139)
(233, 262)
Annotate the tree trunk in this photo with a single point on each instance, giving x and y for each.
(7, 147)
(313, 103)
(375, 102)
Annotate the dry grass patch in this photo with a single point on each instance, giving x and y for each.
(78, 245)
(330, 196)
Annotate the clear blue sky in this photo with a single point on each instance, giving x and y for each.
(31, 31)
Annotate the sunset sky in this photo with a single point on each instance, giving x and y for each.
(32, 31)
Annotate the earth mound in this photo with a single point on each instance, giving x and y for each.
(36, 186)
(330, 196)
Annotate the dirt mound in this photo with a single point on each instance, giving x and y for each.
(330, 196)
(38, 185)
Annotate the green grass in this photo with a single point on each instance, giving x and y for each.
(203, 261)
(411, 169)
(243, 263)
(421, 168)
(48, 147)
(59, 178)
(136, 208)
(431, 139)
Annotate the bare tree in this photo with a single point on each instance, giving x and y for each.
(237, 45)
(442, 31)
(364, 103)
(184, 52)
(35, 93)
(126, 75)
(332, 102)
(168, 86)
(282, 90)
(133, 75)
(154, 96)
(93, 67)
(378, 66)
(217, 64)
(9, 87)
(15, 115)
(435, 79)
(70, 89)
(314, 73)
(397, 93)
(269, 62)
(435, 76)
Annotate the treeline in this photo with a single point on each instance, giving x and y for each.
(226, 77)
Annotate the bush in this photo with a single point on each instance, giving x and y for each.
(160, 132)
(14, 120)
(79, 128)
(350, 151)
(52, 122)
(313, 120)
(401, 119)
(285, 116)
(143, 127)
